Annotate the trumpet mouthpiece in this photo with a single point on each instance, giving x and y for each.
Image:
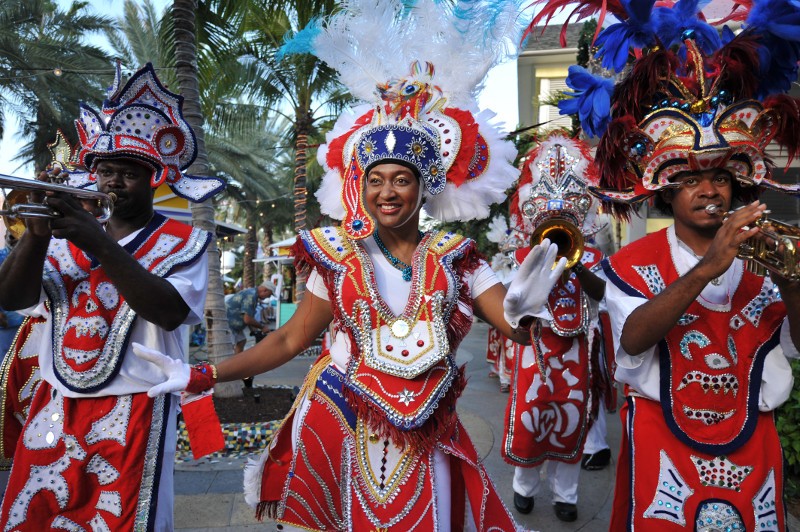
(712, 209)
(112, 196)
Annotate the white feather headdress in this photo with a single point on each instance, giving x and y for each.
(417, 65)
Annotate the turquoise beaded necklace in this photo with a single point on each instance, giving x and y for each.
(397, 263)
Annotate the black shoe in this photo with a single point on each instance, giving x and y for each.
(248, 382)
(524, 505)
(596, 461)
(566, 511)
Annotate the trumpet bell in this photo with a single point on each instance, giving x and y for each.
(563, 234)
(16, 206)
(14, 224)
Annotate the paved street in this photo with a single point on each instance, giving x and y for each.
(209, 495)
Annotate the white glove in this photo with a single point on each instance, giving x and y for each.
(176, 372)
(536, 277)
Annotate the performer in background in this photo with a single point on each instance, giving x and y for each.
(700, 341)
(552, 403)
(95, 451)
(499, 349)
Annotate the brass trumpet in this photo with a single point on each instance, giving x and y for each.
(563, 234)
(17, 207)
(776, 253)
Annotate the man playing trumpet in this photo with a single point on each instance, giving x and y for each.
(95, 451)
(552, 400)
(700, 341)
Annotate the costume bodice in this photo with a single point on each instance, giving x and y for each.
(402, 363)
(91, 319)
(711, 361)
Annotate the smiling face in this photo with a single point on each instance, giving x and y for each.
(392, 195)
(129, 180)
(695, 191)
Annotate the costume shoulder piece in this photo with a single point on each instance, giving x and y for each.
(639, 256)
(327, 246)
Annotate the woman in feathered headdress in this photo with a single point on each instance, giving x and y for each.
(700, 340)
(374, 440)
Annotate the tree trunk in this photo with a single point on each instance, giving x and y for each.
(250, 250)
(300, 193)
(219, 340)
(267, 240)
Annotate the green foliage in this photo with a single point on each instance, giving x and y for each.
(787, 420)
(46, 68)
(585, 40)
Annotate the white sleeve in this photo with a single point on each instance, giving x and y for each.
(481, 279)
(191, 282)
(642, 372)
(316, 285)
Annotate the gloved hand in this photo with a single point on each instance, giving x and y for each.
(177, 373)
(536, 277)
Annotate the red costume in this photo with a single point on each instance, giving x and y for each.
(549, 411)
(719, 455)
(367, 439)
(69, 443)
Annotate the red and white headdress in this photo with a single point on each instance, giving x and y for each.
(143, 121)
(418, 67)
(556, 175)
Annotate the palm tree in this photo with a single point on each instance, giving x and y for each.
(301, 88)
(253, 160)
(220, 341)
(46, 67)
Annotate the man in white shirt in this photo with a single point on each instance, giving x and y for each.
(96, 452)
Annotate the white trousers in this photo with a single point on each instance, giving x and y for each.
(562, 478)
(596, 438)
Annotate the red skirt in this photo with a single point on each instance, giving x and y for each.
(87, 463)
(339, 476)
(664, 485)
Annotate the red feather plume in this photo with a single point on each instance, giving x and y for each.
(786, 112)
(738, 60)
(584, 9)
(635, 93)
(611, 157)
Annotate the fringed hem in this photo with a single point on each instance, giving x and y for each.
(267, 509)
(420, 439)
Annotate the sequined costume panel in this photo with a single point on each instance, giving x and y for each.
(19, 376)
(548, 411)
(403, 367)
(710, 367)
(91, 319)
(94, 462)
(547, 416)
(664, 487)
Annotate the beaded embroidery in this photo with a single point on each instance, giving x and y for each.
(652, 277)
(721, 472)
(671, 494)
(764, 506)
(768, 295)
(718, 516)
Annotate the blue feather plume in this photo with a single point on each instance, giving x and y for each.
(680, 22)
(591, 100)
(302, 42)
(777, 22)
(638, 31)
